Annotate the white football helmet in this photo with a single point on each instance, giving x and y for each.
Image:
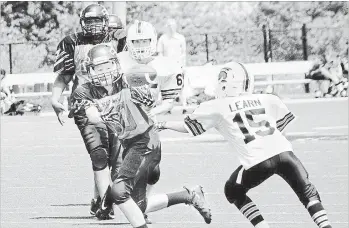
(141, 30)
(234, 80)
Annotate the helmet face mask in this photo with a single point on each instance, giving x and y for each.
(141, 40)
(104, 74)
(233, 81)
(94, 20)
(103, 66)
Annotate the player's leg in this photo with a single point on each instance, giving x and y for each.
(139, 156)
(239, 184)
(96, 141)
(293, 172)
(153, 178)
(194, 196)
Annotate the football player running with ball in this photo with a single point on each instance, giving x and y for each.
(70, 56)
(106, 98)
(141, 41)
(252, 123)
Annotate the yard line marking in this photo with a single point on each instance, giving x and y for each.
(111, 222)
(333, 127)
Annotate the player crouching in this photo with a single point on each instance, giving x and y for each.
(106, 98)
(252, 123)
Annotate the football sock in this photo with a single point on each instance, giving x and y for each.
(178, 197)
(318, 214)
(251, 212)
(133, 214)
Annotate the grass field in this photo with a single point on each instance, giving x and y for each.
(46, 175)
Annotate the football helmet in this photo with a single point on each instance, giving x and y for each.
(102, 65)
(141, 31)
(234, 80)
(115, 22)
(94, 20)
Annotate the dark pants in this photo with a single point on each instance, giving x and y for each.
(286, 165)
(139, 158)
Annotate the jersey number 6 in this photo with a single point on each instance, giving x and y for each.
(254, 127)
(179, 78)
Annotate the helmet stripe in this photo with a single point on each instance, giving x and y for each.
(246, 82)
(139, 30)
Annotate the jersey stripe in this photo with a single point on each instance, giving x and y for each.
(282, 120)
(282, 123)
(170, 90)
(194, 126)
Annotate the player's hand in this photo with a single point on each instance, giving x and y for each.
(119, 34)
(159, 126)
(59, 109)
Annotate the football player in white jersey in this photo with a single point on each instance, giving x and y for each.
(141, 42)
(252, 123)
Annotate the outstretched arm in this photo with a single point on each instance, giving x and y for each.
(172, 125)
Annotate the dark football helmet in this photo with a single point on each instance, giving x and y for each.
(115, 22)
(102, 65)
(94, 20)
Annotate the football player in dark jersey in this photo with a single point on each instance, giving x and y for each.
(70, 55)
(116, 26)
(107, 98)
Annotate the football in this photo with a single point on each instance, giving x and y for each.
(140, 75)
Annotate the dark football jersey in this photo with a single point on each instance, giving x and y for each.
(72, 52)
(123, 110)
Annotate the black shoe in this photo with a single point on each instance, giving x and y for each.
(94, 205)
(105, 210)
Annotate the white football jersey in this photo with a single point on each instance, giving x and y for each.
(169, 73)
(251, 123)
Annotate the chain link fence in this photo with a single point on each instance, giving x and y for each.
(249, 46)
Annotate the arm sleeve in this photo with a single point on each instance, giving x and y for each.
(199, 122)
(283, 115)
(64, 63)
(81, 100)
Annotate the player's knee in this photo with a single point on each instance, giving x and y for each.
(99, 158)
(309, 194)
(120, 193)
(235, 193)
(154, 175)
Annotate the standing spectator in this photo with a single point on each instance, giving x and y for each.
(172, 44)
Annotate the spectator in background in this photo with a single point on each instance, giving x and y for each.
(6, 97)
(172, 44)
(327, 71)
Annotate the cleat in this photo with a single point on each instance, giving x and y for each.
(199, 203)
(94, 205)
(147, 220)
(105, 210)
